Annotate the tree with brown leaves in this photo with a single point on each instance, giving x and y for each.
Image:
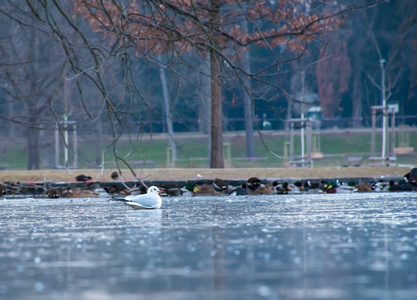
(188, 32)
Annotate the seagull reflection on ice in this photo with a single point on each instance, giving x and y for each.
(147, 221)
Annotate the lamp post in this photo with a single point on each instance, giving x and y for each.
(385, 112)
(302, 114)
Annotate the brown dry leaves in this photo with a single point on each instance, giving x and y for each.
(185, 25)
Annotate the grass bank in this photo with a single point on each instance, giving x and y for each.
(192, 150)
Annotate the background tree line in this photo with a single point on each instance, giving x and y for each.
(117, 67)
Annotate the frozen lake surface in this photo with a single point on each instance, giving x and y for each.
(332, 246)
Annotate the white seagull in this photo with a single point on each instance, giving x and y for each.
(149, 200)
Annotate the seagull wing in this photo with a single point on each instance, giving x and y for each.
(146, 201)
(136, 205)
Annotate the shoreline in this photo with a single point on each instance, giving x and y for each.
(68, 175)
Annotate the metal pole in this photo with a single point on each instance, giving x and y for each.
(373, 132)
(75, 162)
(393, 132)
(308, 143)
(65, 142)
(291, 141)
(385, 147)
(169, 158)
(57, 146)
(302, 115)
(385, 115)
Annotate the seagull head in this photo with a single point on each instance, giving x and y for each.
(153, 190)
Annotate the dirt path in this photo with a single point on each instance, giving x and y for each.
(195, 174)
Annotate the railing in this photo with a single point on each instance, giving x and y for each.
(238, 124)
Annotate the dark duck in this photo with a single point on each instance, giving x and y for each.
(3, 190)
(53, 193)
(240, 191)
(82, 178)
(283, 188)
(393, 187)
(253, 184)
(172, 189)
(220, 185)
(411, 177)
(114, 175)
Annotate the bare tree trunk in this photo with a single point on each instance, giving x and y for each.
(45, 149)
(204, 117)
(168, 115)
(98, 135)
(33, 146)
(248, 111)
(288, 114)
(11, 127)
(248, 107)
(357, 91)
(216, 155)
